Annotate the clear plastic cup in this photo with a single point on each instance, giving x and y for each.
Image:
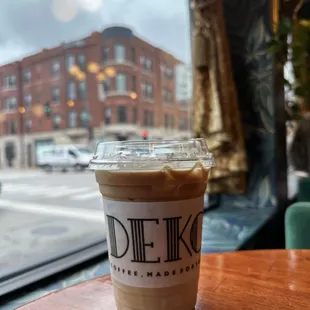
(153, 195)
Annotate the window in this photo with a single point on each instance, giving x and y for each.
(105, 54)
(72, 119)
(85, 118)
(56, 121)
(28, 125)
(167, 72)
(122, 114)
(120, 53)
(27, 102)
(56, 94)
(107, 115)
(147, 90)
(10, 127)
(134, 83)
(13, 127)
(133, 55)
(167, 96)
(5, 128)
(183, 123)
(55, 68)
(9, 81)
(9, 104)
(146, 64)
(82, 90)
(134, 115)
(148, 118)
(169, 121)
(121, 82)
(71, 91)
(27, 76)
(82, 61)
(70, 61)
(106, 85)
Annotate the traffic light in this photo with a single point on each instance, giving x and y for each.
(144, 135)
(47, 109)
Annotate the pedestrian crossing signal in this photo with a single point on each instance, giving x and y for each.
(47, 109)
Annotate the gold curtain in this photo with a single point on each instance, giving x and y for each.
(216, 111)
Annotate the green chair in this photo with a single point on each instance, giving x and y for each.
(297, 226)
(304, 189)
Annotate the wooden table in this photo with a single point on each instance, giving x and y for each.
(276, 279)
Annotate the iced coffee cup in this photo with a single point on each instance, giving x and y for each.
(153, 195)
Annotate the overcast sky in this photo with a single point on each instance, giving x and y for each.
(27, 26)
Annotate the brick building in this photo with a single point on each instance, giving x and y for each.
(140, 97)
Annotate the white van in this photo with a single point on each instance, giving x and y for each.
(64, 157)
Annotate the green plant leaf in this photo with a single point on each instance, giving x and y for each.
(301, 91)
(285, 26)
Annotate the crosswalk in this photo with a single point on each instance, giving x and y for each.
(16, 175)
(50, 191)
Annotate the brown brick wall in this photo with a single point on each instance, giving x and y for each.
(42, 82)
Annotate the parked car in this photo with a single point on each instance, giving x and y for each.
(64, 157)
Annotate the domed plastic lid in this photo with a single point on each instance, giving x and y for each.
(151, 154)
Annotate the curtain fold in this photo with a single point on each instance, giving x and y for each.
(216, 112)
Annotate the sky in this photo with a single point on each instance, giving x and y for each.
(27, 26)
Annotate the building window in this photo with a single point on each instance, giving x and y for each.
(28, 125)
(183, 123)
(167, 96)
(147, 90)
(133, 55)
(27, 102)
(70, 61)
(169, 121)
(85, 118)
(146, 64)
(72, 119)
(9, 104)
(10, 127)
(105, 54)
(107, 115)
(56, 121)
(134, 83)
(82, 61)
(122, 114)
(106, 85)
(120, 53)
(167, 72)
(27, 76)
(71, 91)
(82, 90)
(5, 128)
(134, 115)
(148, 118)
(56, 94)
(13, 127)
(121, 82)
(55, 68)
(9, 81)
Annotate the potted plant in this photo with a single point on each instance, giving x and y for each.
(291, 48)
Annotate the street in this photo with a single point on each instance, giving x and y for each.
(47, 190)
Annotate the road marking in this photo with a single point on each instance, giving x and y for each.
(66, 192)
(86, 196)
(14, 176)
(94, 215)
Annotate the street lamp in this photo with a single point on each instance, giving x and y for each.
(70, 103)
(133, 95)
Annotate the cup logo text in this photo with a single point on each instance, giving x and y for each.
(179, 234)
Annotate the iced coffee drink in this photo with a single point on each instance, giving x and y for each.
(153, 202)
